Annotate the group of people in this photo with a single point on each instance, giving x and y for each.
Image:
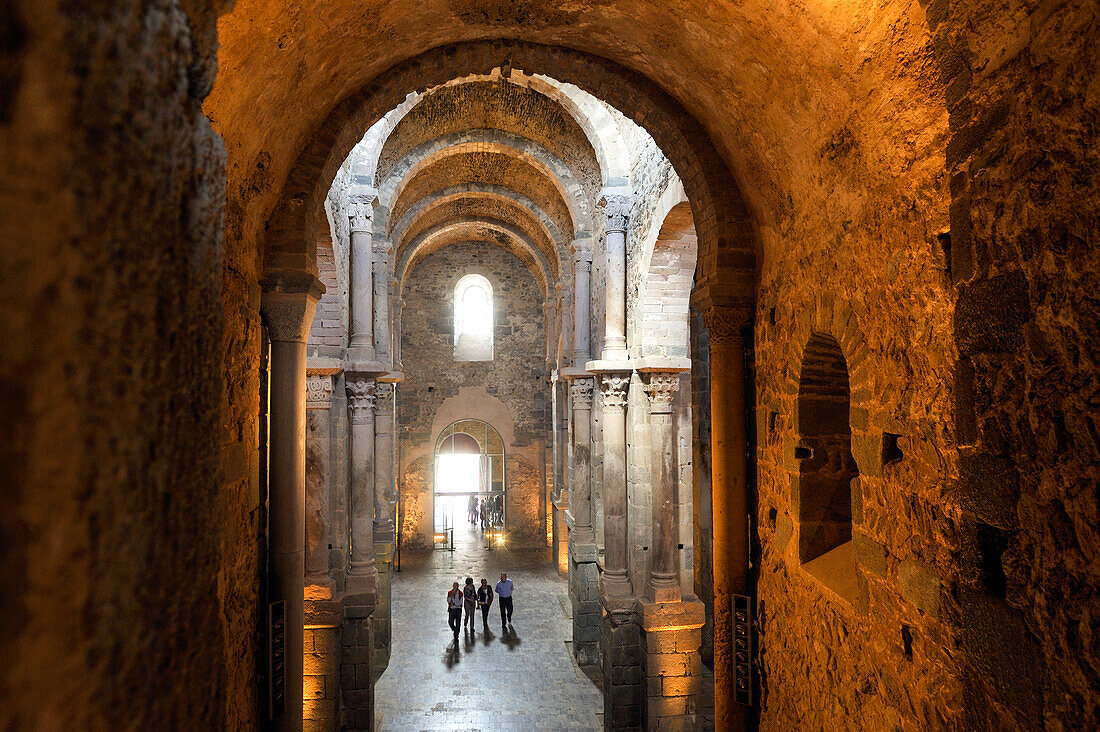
(469, 598)
(489, 511)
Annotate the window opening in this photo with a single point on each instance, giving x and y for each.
(473, 319)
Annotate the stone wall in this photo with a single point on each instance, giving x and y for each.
(130, 372)
(1023, 165)
(516, 378)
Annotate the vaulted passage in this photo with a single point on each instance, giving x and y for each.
(754, 340)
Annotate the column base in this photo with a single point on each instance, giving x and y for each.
(662, 593)
(621, 664)
(671, 634)
(362, 580)
(616, 585)
(584, 595)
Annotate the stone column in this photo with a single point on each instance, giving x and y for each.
(362, 577)
(729, 497)
(287, 305)
(318, 451)
(382, 333)
(615, 580)
(580, 496)
(582, 275)
(584, 592)
(361, 278)
(617, 208)
(385, 503)
(663, 584)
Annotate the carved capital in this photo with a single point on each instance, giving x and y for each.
(583, 265)
(581, 392)
(384, 396)
(613, 388)
(360, 212)
(318, 391)
(724, 325)
(617, 209)
(360, 399)
(661, 388)
(287, 302)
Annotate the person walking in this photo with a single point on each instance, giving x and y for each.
(485, 600)
(504, 589)
(469, 596)
(454, 608)
(471, 508)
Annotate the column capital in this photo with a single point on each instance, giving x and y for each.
(383, 395)
(724, 322)
(661, 388)
(617, 208)
(613, 389)
(361, 398)
(318, 391)
(287, 301)
(580, 390)
(361, 209)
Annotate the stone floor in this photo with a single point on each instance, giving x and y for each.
(523, 679)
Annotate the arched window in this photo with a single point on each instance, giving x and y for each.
(469, 462)
(473, 307)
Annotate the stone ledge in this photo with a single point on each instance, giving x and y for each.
(610, 367)
(582, 553)
(687, 614)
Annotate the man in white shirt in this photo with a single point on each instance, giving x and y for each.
(504, 589)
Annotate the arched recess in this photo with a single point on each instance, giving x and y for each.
(727, 247)
(826, 495)
(548, 165)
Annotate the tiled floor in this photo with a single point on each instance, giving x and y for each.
(523, 679)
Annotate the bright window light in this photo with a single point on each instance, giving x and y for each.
(473, 308)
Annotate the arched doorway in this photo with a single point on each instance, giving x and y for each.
(469, 465)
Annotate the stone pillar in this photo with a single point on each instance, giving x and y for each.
(729, 497)
(361, 571)
(582, 275)
(663, 584)
(385, 503)
(671, 634)
(617, 208)
(361, 278)
(287, 305)
(615, 579)
(621, 660)
(584, 592)
(318, 454)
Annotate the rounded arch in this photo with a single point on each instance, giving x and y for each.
(557, 173)
(665, 297)
(500, 194)
(723, 222)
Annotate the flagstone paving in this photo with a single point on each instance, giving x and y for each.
(522, 678)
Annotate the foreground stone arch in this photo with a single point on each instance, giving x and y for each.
(723, 221)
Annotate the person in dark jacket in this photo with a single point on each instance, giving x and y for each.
(469, 595)
(485, 600)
